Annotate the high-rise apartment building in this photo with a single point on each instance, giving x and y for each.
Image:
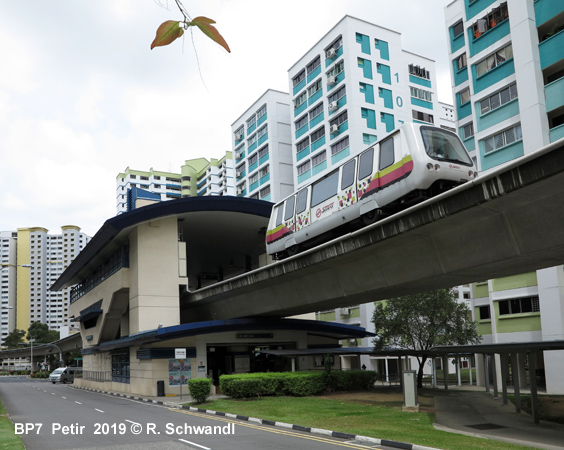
(203, 177)
(46, 256)
(353, 87)
(507, 63)
(8, 241)
(262, 149)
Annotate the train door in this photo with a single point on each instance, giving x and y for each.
(302, 209)
(387, 171)
(289, 221)
(347, 191)
(365, 171)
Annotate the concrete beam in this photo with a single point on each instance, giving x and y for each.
(501, 224)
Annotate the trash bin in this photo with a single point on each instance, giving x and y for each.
(160, 388)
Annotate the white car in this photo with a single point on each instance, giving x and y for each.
(64, 374)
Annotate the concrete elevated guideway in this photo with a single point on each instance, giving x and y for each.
(507, 222)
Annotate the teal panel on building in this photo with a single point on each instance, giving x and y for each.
(556, 133)
(342, 128)
(340, 77)
(312, 75)
(252, 147)
(389, 120)
(252, 128)
(420, 81)
(319, 168)
(261, 119)
(493, 76)
(264, 159)
(263, 139)
(488, 38)
(422, 103)
(551, 50)
(370, 116)
(547, 9)
(470, 143)
(253, 166)
(319, 143)
(238, 141)
(302, 130)
(476, 7)
(456, 43)
(329, 61)
(300, 109)
(463, 111)
(242, 194)
(383, 47)
(366, 66)
(303, 153)
(298, 87)
(304, 176)
(491, 118)
(368, 91)
(500, 155)
(266, 198)
(253, 186)
(344, 153)
(315, 97)
(384, 70)
(364, 42)
(265, 179)
(554, 94)
(368, 139)
(460, 76)
(317, 119)
(240, 157)
(386, 94)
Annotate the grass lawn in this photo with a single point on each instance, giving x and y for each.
(8, 439)
(378, 419)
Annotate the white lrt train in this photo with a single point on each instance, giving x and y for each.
(410, 165)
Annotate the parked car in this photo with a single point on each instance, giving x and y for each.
(64, 374)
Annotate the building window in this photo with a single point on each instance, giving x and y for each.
(499, 98)
(300, 99)
(461, 62)
(337, 95)
(519, 305)
(340, 119)
(457, 29)
(302, 145)
(253, 159)
(251, 121)
(263, 151)
(419, 72)
(464, 96)
(313, 113)
(261, 112)
(425, 117)
(264, 171)
(318, 134)
(253, 178)
(496, 16)
(302, 121)
(313, 65)
(337, 69)
(494, 60)
(299, 78)
(468, 130)
(341, 145)
(120, 367)
(484, 312)
(502, 139)
(314, 88)
(252, 140)
(421, 94)
(265, 191)
(319, 158)
(304, 167)
(262, 131)
(332, 49)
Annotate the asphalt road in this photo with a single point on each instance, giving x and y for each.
(58, 417)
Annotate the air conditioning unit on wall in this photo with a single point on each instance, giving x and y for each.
(333, 106)
(334, 129)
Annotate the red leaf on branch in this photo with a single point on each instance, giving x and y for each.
(205, 24)
(167, 32)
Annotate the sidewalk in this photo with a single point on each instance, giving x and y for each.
(476, 413)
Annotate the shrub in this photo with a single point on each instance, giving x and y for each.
(351, 380)
(199, 389)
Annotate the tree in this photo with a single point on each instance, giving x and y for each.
(14, 339)
(41, 333)
(422, 321)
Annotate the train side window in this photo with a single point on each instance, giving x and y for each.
(325, 188)
(347, 178)
(279, 213)
(386, 153)
(290, 208)
(365, 164)
(302, 201)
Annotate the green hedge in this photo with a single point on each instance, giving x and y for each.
(298, 384)
(199, 389)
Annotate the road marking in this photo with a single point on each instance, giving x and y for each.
(131, 421)
(99, 410)
(64, 398)
(194, 444)
(78, 403)
(285, 432)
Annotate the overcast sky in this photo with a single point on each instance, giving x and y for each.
(82, 96)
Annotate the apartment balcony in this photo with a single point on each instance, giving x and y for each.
(551, 50)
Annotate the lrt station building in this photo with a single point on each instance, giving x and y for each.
(132, 298)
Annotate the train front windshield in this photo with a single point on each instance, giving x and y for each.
(445, 146)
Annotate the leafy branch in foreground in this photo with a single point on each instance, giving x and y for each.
(171, 30)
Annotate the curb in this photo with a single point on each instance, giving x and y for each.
(337, 434)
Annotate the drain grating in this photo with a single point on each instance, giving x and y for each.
(485, 426)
